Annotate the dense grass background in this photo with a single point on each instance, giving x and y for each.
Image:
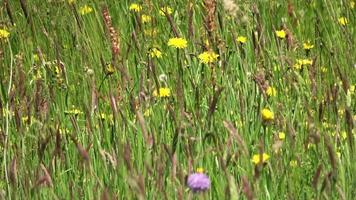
(74, 126)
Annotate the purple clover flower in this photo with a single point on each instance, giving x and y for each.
(198, 182)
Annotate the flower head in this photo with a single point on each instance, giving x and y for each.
(307, 45)
(135, 7)
(281, 135)
(198, 182)
(164, 10)
(155, 53)
(302, 62)
(208, 57)
(281, 34)
(85, 10)
(179, 43)
(271, 91)
(343, 21)
(241, 39)
(163, 92)
(267, 114)
(146, 18)
(4, 34)
(257, 158)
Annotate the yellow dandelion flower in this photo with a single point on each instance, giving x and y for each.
(200, 170)
(164, 10)
(241, 39)
(146, 18)
(163, 92)
(4, 34)
(85, 10)
(343, 21)
(135, 7)
(281, 135)
(256, 159)
(281, 34)
(308, 45)
(208, 57)
(267, 114)
(155, 53)
(179, 43)
(271, 91)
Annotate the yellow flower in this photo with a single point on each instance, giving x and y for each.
(343, 21)
(166, 9)
(135, 7)
(302, 62)
(73, 111)
(271, 91)
(85, 10)
(267, 115)
(256, 159)
(307, 45)
(4, 34)
(176, 42)
(163, 92)
(150, 32)
(147, 112)
(281, 135)
(293, 163)
(241, 39)
(281, 34)
(109, 69)
(146, 18)
(208, 57)
(155, 53)
(200, 170)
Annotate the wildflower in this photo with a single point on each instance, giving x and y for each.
(155, 53)
(241, 39)
(281, 135)
(293, 163)
(176, 42)
(343, 21)
(148, 112)
(85, 10)
(256, 159)
(307, 45)
(267, 115)
(281, 34)
(208, 57)
(198, 182)
(302, 62)
(200, 170)
(4, 34)
(164, 10)
(109, 69)
(271, 91)
(163, 92)
(146, 18)
(135, 7)
(73, 111)
(150, 32)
